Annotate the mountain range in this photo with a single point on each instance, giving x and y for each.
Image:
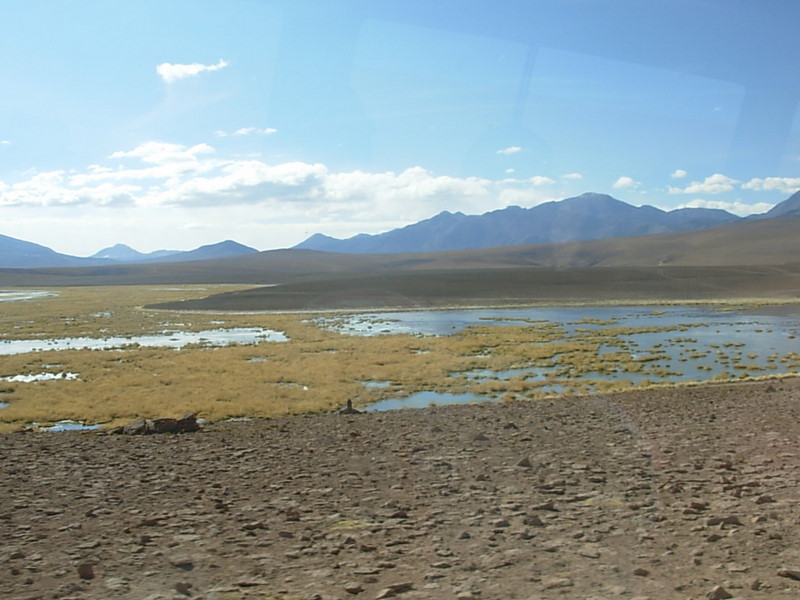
(19, 254)
(586, 217)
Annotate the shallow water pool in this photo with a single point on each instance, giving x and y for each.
(168, 339)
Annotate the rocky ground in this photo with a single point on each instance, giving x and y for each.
(663, 494)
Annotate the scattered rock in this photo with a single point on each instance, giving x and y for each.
(186, 424)
(353, 587)
(300, 507)
(86, 570)
(394, 590)
(184, 588)
(789, 573)
(554, 583)
(184, 563)
(719, 593)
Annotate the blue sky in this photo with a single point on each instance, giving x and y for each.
(181, 123)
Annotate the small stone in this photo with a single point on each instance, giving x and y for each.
(500, 523)
(533, 520)
(86, 571)
(353, 587)
(722, 521)
(183, 588)
(525, 463)
(554, 583)
(184, 563)
(789, 573)
(719, 593)
(641, 572)
(117, 584)
(394, 590)
(764, 499)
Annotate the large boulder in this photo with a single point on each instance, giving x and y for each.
(141, 426)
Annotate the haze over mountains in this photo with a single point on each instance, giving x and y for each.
(586, 218)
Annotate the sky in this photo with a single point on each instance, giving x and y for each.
(170, 125)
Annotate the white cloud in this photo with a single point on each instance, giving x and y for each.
(625, 183)
(242, 131)
(678, 174)
(170, 72)
(159, 183)
(162, 153)
(510, 150)
(573, 176)
(787, 185)
(737, 207)
(5, 142)
(510, 171)
(714, 184)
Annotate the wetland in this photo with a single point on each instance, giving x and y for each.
(99, 356)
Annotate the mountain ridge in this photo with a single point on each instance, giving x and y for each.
(587, 217)
(21, 254)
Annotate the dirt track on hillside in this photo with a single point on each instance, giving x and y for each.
(661, 494)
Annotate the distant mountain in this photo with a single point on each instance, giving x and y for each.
(124, 253)
(16, 253)
(120, 253)
(583, 218)
(19, 254)
(225, 249)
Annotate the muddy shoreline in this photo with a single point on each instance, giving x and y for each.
(664, 493)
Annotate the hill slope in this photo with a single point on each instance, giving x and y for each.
(16, 253)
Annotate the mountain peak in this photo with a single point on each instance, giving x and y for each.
(118, 252)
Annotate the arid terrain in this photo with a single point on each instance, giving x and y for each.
(656, 494)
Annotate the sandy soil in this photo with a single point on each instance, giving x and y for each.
(663, 494)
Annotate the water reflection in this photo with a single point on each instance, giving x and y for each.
(67, 425)
(423, 400)
(20, 295)
(169, 339)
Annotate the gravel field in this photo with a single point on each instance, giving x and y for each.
(661, 494)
